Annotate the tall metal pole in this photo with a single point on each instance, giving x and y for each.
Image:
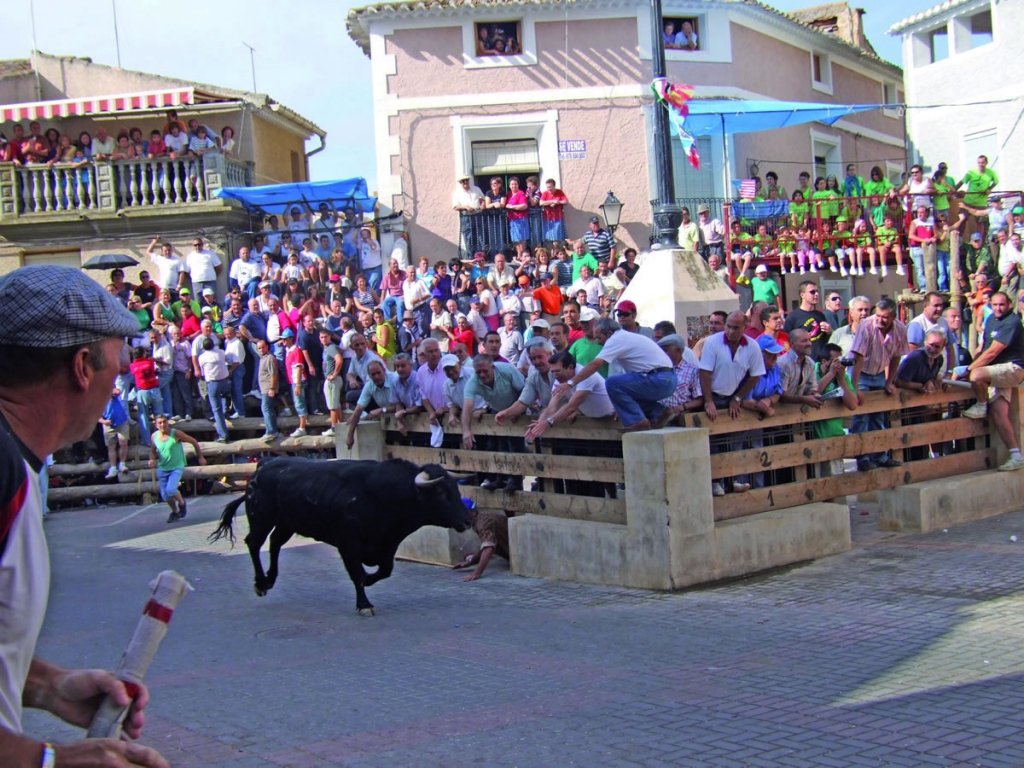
(667, 215)
(117, 38)
(252, 61)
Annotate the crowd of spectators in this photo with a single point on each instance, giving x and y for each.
(185, 142)
(856, 226)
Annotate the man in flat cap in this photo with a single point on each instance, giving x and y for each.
(60, 338)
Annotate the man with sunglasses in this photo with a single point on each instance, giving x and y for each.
(833, 309)
(810, 318)
(625, 313)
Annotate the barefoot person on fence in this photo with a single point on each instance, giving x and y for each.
(60, 338)
(167, 455)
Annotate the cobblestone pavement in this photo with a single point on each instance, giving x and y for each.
(905, 651)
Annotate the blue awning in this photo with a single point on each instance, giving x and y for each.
(713, 116)
(275, 198)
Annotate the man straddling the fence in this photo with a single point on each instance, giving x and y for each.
(880, 342)
(762, 400)
(500, 385)
(405, 391)
(647, 377)
(1000, 364)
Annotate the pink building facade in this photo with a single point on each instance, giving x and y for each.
(570, 100)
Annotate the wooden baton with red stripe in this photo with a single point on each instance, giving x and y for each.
(168, 590)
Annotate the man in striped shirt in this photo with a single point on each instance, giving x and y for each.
(880, 342)
(600, 242)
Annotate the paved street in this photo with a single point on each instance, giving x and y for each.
(906, 651)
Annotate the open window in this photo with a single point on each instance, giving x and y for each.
(821, 72)
(890, 95)
(682, 33)
(498, 38)
(516, 157)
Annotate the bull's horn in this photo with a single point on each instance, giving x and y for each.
(423, 480)
(460, 475)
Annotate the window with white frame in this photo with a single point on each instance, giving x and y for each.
(683, 33)
(938, 44)
(890, 95)
(984, 142)
(821, 72)
(501, 42)
(520, 157)
(826, 153)
(981, 28)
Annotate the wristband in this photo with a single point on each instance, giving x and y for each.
(49, 756)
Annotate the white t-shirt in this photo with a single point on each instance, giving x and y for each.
(200, 265)
(170, 269)
(1008, 256)
(244, 271)
(177, 143)
(634, 353)
(197, 344)
(597, 404)
(235, 351)
(467, 198)
(492, 304)
(728, 371)
(413, 292)
(214, 364)
(300, 231)
(369, 254)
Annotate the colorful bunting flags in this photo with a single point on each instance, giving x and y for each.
(674, 98)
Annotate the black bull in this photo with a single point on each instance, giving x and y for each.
(365, 509)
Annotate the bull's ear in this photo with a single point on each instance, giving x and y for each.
(424, 480)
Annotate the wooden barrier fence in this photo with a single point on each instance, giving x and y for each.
(791, 459)
(569, 457)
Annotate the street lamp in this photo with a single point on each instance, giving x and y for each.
(611, 209)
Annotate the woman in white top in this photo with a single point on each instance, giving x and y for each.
(416, 297)
(227, 140)
(920, 189)
(488, 304)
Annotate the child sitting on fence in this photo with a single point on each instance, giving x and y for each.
(864, 243)
(787, 249)
(742, 250)
(843, 244)
(828, 248)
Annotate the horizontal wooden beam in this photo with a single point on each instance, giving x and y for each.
(581, 429)
(284, 423)
(788, 413)
(583, 508)
(821, 489)
(116, 491)
(592, 468)
(811, 451)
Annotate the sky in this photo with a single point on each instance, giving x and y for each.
(304, 56)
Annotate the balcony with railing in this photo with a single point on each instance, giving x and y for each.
(33, 192)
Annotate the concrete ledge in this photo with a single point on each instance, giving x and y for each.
(936, 504)
(767, 540)
(593, 553)
(440, 546)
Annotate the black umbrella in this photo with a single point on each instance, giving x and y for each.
(110, 261)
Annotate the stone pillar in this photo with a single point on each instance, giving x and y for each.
(369, 443)
(106, 194)
(679, 286)
(214, 173)
(8, 192)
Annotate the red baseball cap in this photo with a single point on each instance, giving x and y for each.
(626, 306)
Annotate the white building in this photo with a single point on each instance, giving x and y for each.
(966, 55)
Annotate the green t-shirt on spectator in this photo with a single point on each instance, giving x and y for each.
(873, 188)
(169, 453)
(585, 351)
(798, 212)
(765, 290)
(826, 204)
(978, 185)
(143, 316)
(886, 235)
(829, 427)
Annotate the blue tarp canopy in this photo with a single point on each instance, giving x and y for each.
(713, 116)
(275, 198)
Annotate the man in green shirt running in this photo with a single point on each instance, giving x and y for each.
(167, 455)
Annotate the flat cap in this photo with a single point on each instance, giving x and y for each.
(672, 340)
(49, 306)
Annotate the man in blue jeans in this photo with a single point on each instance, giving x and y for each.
(269, 379)
(214, 366)
(649, 376)
(880, 342)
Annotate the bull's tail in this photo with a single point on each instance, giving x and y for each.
(226, 521)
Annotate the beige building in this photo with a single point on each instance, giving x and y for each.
(570, 99)
(66, 216)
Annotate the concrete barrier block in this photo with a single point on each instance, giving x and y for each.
(755, 543)
(936, 504)
(594, 553)
(440, 546)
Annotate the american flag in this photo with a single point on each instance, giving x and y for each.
(748, 188)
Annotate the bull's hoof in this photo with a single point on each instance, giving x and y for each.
(260, 592)
(367, 612)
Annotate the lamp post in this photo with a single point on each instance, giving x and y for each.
(667, 215)
(611, 209)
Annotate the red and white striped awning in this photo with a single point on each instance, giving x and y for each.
(95, 105)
